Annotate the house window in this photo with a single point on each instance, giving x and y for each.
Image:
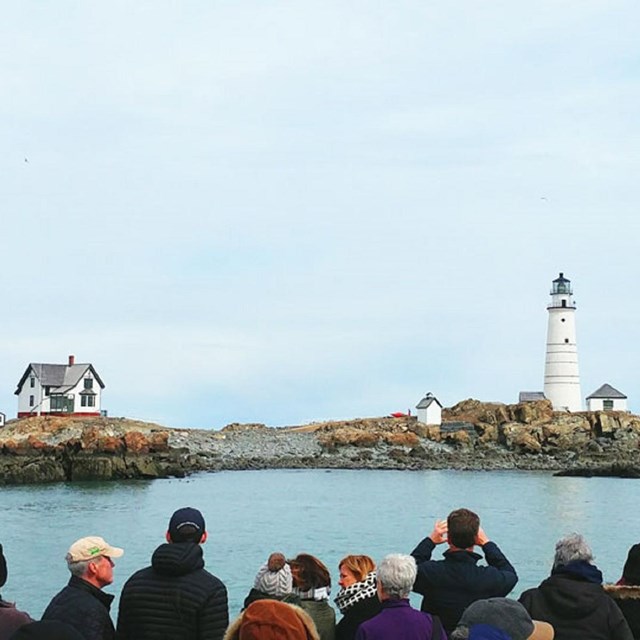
(607, 405)
(47, 391)
(87, 401)
(58, 403)
(88, 383)
(31, 401)
(32, 381)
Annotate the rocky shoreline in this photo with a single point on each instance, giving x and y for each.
(473, 436)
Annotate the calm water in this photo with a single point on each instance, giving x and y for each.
(328, 513)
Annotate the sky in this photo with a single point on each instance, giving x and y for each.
(285, 212)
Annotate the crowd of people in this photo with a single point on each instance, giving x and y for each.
(177, 598)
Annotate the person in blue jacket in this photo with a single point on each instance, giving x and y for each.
(450, 585)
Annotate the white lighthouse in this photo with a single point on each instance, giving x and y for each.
(561, 375)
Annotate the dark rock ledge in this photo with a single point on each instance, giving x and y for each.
(474, 436)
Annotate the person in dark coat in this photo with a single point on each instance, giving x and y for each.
(358, 597)
(398, 619)
(626, 592)
(176, 597)
(572, 599)
(10, 618)
(82, 604)
(46, 630)
(449, 586)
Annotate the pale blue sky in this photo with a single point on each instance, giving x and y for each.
(283, 212)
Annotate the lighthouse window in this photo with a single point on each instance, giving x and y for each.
(564, 303)
(566, 340)
(561, 319)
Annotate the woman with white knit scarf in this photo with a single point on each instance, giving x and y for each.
(357, 598)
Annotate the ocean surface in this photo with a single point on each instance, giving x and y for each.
(330, 514)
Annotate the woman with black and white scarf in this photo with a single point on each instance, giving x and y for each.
(357, 598)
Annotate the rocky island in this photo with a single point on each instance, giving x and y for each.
(473, 435)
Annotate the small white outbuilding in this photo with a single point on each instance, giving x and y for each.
(3, 419)
(429, 410)
(606, 398)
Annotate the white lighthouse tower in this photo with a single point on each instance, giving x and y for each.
(561, 375)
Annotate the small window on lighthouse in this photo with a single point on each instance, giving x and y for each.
(561, 319)
(564, 303)
(566, 340)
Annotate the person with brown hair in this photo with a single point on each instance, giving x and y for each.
(449, 586)
(357, 599)
(312, 584)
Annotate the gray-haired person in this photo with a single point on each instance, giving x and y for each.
(396, 575)
(82, 604)
(572, 599)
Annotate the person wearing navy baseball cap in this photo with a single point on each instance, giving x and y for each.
(199, 609)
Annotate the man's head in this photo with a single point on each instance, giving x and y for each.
(396, 575)
(91, 559)
(462, 528)
(187, 525)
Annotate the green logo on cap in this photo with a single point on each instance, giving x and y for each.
(94, 550)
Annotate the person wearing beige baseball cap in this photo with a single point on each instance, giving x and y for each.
(82, 604)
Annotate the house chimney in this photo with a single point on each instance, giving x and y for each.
(72, 360)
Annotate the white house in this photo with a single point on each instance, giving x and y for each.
(606, 398)
(429, 410)
(67, 389)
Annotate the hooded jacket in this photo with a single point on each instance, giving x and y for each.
(573, 601)
(173, 599)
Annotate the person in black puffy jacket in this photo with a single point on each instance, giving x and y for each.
(175, 598)
(82, 604)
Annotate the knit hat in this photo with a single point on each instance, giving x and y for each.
(274, 577)
(631, 571)
(46, 630)
(506, 615)
(272, 620)
(3, 568)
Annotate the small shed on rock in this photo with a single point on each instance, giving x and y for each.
(606, 398)
(429, 410)
(530, 396)
(3, 419)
